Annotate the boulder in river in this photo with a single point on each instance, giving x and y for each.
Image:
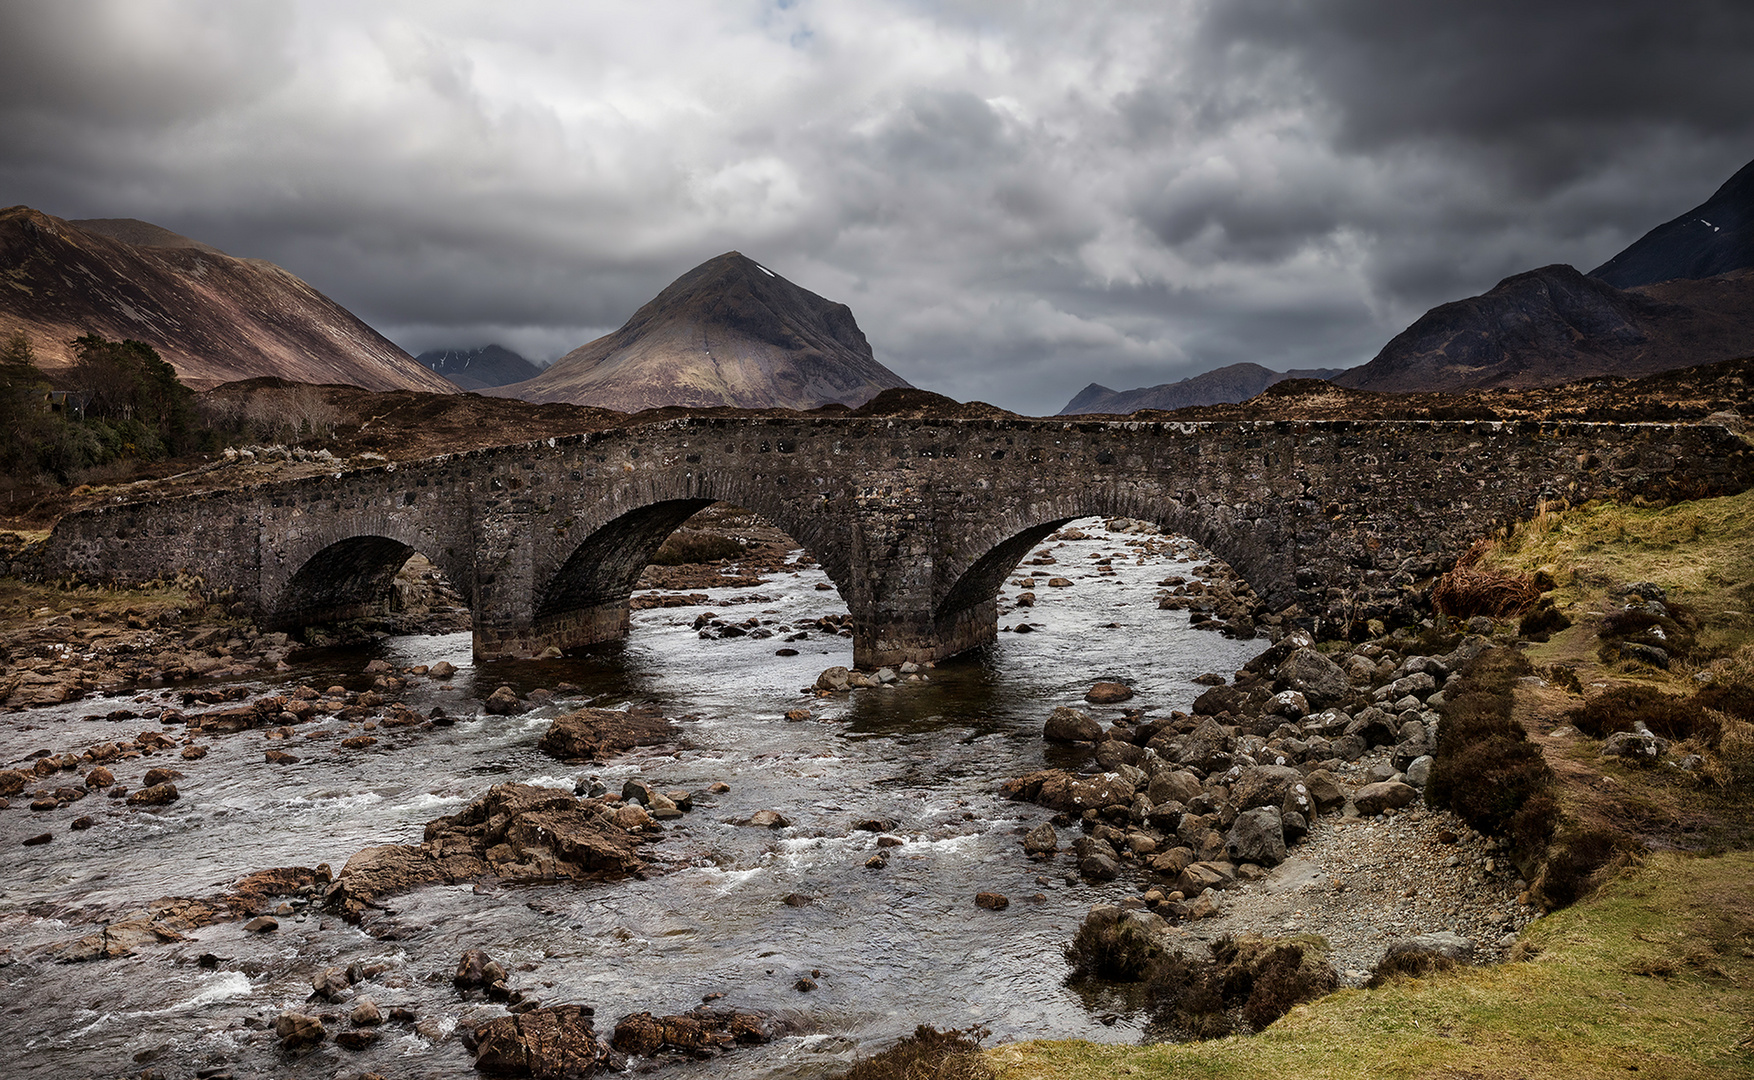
(702, 1029)
(1108, 693)
(547, 1044)
(1071, 725)
(297, 1030)
(593, 734)
(503, 702)
(156, 795)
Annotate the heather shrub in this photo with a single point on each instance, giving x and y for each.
(1620, 708)
(1541, 623)
(1247, 984)
(696, 547)
(1410, 964)
(1110, 945)
(928, 1054)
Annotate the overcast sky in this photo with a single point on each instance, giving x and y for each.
(1015, 199)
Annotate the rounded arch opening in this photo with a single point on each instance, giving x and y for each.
(372, 577)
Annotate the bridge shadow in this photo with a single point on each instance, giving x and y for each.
(374, 579)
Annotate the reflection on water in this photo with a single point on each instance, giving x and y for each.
(893, 947)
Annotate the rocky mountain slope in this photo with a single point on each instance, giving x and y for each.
(215, 318)
(1225, 385)
(1554, 324)
(477, 369)
(1715, 237)
(729, 332)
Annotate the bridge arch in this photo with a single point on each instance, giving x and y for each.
(351, 578)
(965, 611)
(582, 585)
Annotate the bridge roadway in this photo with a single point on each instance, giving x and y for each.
(917, 522)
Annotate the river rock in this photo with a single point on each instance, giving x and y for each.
(262, 924)
(444, 669)
(331, 984)
(366, 1014)
(768, 819)
(1257, 836)
(1112, 754)
(631, 816)
(703, 1029)
(556, 1043)
(296, 1030)
(594, 734)
(156, 795)
(1313, 675)
(357, 1040)
(517, 832)
(1264, 785)
(1419, 771)
(503, 702)
(834, 679)
(476, 970)
(1099, 867)
(1041, 840)
(99, 777)
(13, 781)
(1173, 785)
(1071, 725)
(1372, 799)
(1108, 693)
(992, 901)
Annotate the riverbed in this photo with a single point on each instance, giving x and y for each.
(886, 948)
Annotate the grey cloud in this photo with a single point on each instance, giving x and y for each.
(1015, 200)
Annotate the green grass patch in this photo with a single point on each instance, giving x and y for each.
(1651, 973)
(1702, 552)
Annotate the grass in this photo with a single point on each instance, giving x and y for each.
(1702, 552)
(1652, 973)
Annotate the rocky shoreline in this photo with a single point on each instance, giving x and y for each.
(1287, 802)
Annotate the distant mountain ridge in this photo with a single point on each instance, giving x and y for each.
(477, 369)
(1220, 386)
(1715, 237)
(1554, 325)
(728, 332)
(213, 317)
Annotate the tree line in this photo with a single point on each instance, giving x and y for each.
(121, 401)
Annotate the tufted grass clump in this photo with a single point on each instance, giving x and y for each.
(928, 1054)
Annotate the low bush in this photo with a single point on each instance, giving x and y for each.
(1541, 623)
(1573, 862)
(1111, 945)
(928, 1054)
(1409, 964)
(1619, 708)
(1249, 983)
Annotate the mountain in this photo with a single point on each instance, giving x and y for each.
(1220, 386)
(477, 369)
(728, 332)
(1713, 238)
(1554, 325)
(213, 317)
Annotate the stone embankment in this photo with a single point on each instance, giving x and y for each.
(1288, 801)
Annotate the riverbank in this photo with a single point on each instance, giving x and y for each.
(1649, 978)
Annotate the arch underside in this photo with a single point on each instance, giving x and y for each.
(349, 579)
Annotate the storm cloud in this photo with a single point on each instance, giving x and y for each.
(1015, 200)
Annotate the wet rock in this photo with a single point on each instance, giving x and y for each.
(99, 777)
(444, 669)
(356, 1040)
(1111, 754)
(477, 970)
(768, 819)
(1373, 799)
(518, 833)
(992, 901)
(804, 985)
(1257, 836)
(154, 777)
(366, 1014)
(834, 678)
(796, 900)
(38, 840)
(331, 984)
(1071, 725)
(13, 781)
(556, 1043)
(595, 734)
(1108, 693)
(194, 753)
(297, 1030)
(1099, 867)
(156, 795)
(1041, 840)
(703, 1030)
(503, 702)
(1265, 785)
(262, 924)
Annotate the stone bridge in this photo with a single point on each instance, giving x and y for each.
(917, 522)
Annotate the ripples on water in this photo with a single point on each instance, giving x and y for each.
(894, 947)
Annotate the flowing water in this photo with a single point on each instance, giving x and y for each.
(888, 948)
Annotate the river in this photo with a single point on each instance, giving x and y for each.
(888, 948)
